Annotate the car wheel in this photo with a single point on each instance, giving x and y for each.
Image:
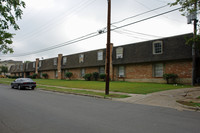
(32, 88)
(12, 86)
(19, 87)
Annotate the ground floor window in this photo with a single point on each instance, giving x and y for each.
(82, 72)
(40, 74)
(102, 70)
(56, 74)
(158, 70)
(121, 71)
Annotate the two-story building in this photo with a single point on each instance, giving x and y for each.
(137, 62)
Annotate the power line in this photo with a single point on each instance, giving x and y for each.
(94, 34)
(139, 14)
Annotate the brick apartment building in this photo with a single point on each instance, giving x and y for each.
(138, 62)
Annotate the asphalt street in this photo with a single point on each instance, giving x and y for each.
(36, 111)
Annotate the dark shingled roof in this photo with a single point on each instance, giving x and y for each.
(90, 60)
(30, 67)
(47, 64)
(174, 48)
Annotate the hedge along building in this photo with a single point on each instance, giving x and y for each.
(138, 62)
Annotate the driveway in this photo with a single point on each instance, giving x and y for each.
(166, 98)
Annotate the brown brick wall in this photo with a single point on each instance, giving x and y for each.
(51, 74)
(135, 71)
(182, 68)
(77, 72)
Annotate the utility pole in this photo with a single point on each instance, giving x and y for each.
(108, 49)
(194, 71)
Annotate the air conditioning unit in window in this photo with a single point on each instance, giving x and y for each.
(119, 57)
(121, 76)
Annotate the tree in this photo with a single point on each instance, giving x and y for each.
(10, 12)
(4, 69)
(188, 7)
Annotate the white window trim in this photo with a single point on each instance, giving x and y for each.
(64, 60)
(82, 72)
(119, 56)
(33, 64)
(153, 46)
(81, 58)
(119, 74)
(154, 70)
(100, 55)
(40, 63)
(55, 61)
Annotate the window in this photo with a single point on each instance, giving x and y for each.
(56, 74)
(82, 72)
(64, 60)
(158, 70)
(121, 71)
(55, 61)
(40, 74)
(119, 53)
(40, 63)
(101, 70)
(21, 67)
(33, 64)
(26, 65)
(157, 47)
(100, 55)
(81, 58)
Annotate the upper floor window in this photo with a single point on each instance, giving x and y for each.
(21, 67)
(40, 63)
(119, 53)
(157, 47)
(33, 64)
(100, 55)
(81, 58)
(55, 61)
(158, 70)
(64, 60)
(26, 65)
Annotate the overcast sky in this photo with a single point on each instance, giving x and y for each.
(46, 23)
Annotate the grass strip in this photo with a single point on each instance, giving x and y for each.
(189, 103)
(115, 86)
(91, 93)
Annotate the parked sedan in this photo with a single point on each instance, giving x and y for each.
(21, 83)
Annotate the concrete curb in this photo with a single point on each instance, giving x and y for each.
(95, 96)
(197, 109)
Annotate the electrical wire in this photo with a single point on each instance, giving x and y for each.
(91, 35)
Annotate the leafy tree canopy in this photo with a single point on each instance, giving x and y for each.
(10, 11)
(188, 7)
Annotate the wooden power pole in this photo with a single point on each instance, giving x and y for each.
(108, 49)
(194, 67)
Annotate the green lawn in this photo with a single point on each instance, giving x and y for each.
(126, 87)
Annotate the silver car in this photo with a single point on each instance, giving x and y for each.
(23, 83)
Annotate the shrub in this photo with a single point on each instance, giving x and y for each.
(45, 75)
(87, 76)
(68, 75)
(34, 76)
(169, 76)
(102, 76)
(95, 75)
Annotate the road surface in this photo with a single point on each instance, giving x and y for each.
(36, 111)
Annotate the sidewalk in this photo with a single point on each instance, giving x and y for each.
(167, 98)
